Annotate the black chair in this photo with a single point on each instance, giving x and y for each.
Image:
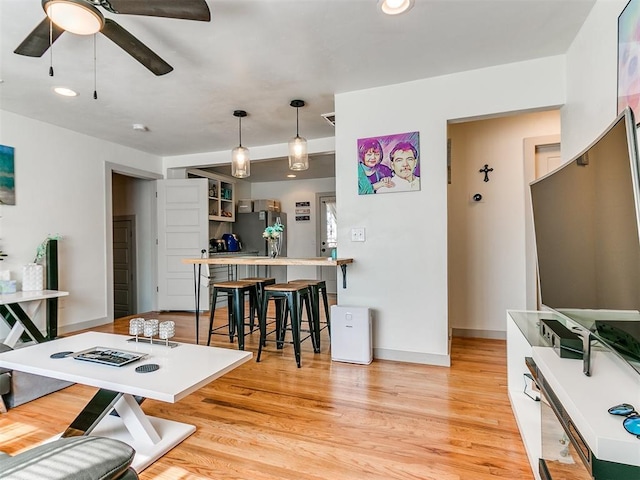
(317, 289)
(289, 299)
(255, 306)
(235, 291)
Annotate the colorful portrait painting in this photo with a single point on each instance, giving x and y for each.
(7, 176)
(389, 164)
(629, 58)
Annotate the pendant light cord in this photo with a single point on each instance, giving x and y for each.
(50, 48)
(240, 131)
(297, 110)
(95, 69)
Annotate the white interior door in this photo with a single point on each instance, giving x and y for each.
(183, 231)
(541, 155)
(327, 238)
(547, 158)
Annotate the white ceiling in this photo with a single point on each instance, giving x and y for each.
(258, 55)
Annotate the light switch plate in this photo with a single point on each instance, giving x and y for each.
(357, 234)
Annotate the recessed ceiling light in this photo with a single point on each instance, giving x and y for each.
(395, 7)
(291, 175)
(65, 92)
(140, 127)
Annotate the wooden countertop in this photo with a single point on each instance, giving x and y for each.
(254, 260)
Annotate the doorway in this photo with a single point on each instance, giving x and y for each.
(327, 237)
(131, 194)
(491, 261)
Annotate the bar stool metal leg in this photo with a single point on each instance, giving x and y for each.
(212, 311)
(238, 314)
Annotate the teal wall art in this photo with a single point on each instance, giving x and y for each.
(7, 176)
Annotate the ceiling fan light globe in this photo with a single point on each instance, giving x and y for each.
(75, 16)
(240, 164)
(298, 154)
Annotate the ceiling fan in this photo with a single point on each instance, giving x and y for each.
(82, 17)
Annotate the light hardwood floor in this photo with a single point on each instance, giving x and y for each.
(326, 420)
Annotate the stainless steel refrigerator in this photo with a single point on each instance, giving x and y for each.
(249, 227)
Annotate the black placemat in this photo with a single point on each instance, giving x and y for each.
(149, 367)
(60, 354)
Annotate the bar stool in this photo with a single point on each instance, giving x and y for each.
(292, 297)
(235, 291)
(254, 306)
(318, 288)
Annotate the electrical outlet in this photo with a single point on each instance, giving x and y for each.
(357, 234)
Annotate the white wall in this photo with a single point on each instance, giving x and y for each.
(61, 189)
(591, 78)
(401, 270)
(486, 243)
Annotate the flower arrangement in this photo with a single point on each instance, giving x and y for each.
(273, 232)
(273, 235)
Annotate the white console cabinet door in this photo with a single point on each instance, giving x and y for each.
(183, 232)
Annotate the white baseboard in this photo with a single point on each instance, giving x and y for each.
(64, 329)
(475, 333)
(412, 357)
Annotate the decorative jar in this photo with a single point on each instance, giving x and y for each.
(32, 277)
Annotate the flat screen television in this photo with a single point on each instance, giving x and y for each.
(587, 222)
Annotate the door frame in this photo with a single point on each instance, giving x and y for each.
(110, 169)
(530, 146)
(319, 229)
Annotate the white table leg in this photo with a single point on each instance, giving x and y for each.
(135, 420)
(14, 335)
(151, 437)
(31, 308)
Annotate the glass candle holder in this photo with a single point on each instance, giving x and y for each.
(136, 327)
(167, 330)
(151, 328)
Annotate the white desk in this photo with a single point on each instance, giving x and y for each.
(19, 319)
(183, 370)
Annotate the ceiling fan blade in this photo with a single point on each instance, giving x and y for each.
(183, 9)
(37, 42)
(135, 48)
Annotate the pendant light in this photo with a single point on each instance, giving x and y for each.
(240, 165)
(298, 155)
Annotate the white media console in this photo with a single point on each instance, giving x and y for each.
(585, 400)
